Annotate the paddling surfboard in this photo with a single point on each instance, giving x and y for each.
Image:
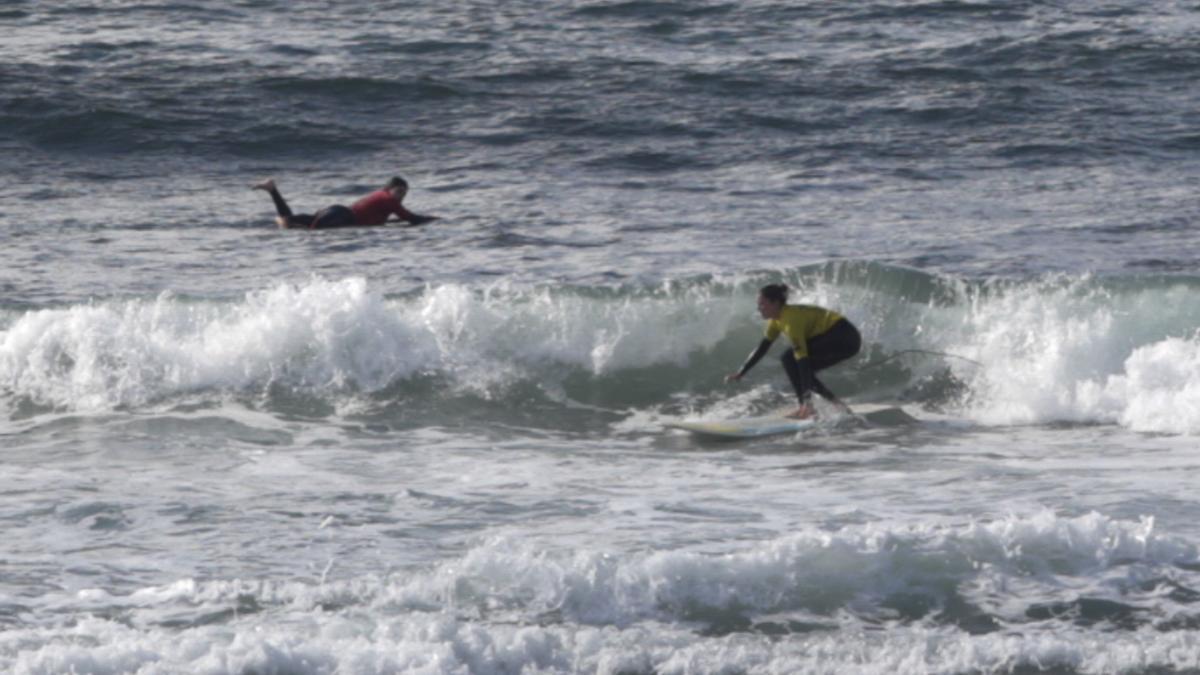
(747, 427)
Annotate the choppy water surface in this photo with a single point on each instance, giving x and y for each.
(234, 449)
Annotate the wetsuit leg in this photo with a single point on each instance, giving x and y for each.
(281, 206)
(839, 343)
(835, 345)
(800, 373)
(333, 216)
(285, 212)
(803, 377)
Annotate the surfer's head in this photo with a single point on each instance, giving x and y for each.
(397, 186)
(771, 299)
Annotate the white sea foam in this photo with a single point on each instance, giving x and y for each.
(435, 644)
(815, 571)
(1160, 388)
(1079, 352)
(322, 334)
(508, 606)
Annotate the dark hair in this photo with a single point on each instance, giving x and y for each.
(774, 293)
(396, 182)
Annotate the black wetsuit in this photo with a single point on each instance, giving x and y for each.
(331, 216)
(839, 343)
(836, 344)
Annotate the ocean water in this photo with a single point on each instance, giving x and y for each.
(229, 448)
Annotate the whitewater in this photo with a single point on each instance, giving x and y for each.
(234, 450)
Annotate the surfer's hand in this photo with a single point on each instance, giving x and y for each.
(733, 377)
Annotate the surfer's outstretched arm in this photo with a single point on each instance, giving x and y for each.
(414, 219)
(754, 358)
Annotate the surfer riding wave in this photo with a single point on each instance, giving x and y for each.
(820, 338)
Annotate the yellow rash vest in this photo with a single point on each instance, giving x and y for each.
(801, 323)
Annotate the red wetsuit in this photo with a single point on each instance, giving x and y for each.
(375, 208)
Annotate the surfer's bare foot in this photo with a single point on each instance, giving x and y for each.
(802, 413)
(267, 185)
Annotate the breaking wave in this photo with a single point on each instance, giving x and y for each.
(1056, 349)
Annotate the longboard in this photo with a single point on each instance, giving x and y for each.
(748, 427)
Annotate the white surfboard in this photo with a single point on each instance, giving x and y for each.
(747, 427)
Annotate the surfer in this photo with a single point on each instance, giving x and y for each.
(372, 209)
(820, 338)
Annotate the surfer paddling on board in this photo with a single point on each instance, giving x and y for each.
(820, 338)
(372, 209)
